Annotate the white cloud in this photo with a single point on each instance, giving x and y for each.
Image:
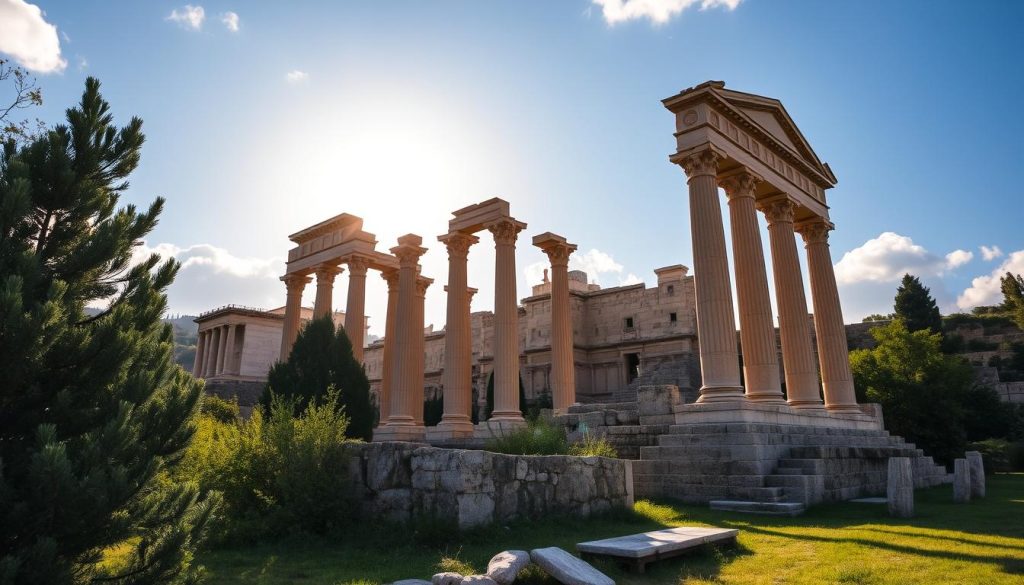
(886, 259)
(657, 11)
(83, 63)
(28, 38)
(985, 290)
(630, 279)
(296, 76)
(189, 17)
(230, 20)
(958, 258)
(594, 262)
(990, 253)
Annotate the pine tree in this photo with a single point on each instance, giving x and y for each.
(915, 305)
(321, 358)
(92, 409)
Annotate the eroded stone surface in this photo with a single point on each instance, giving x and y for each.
(505, 565)
(977, 466)
(412, 582)
(478, 580)
(961, 481)
(447, 578)
(900, 488)
(647, 544)
(568, 569)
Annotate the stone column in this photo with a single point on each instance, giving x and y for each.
(355, 307)
(458, 343)
(211, 358)
(229, 350)
(563, 369)
(833, 353)
(387, 376)
(417, 357)
(757, 332)
(222, 350)
(716, 323)
(325, 274)
(295, 283)
(506, 322)
(401, 423)
(197, 366)
(797, 353)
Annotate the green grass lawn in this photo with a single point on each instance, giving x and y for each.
(979, 543)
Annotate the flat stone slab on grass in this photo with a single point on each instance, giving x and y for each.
(870, 501)
(567, 569)
(640, 549)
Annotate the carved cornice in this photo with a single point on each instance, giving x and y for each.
(741, 184)
(700, 163)
(778, 210)
(506, 231)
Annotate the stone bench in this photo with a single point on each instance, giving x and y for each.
(639, 549)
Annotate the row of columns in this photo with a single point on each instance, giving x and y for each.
(715, 314)
(215, 350)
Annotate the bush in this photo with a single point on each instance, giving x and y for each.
(538, 437)
(592, 446)
(219, 409)
(1000, 455)
(278, 474)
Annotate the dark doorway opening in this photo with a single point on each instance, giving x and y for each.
(632, 366)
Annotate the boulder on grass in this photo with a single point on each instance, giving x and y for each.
(505, 565)
(446, 579)
(478, 580)
(568, 569)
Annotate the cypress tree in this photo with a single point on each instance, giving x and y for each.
(915, 305)
(93, 410)
(321, 358)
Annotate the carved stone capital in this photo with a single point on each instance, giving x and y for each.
(325, 273)
(814, 231)
(357, 265)
(505, 231)
(458, 244)
(295, 283)
(390, 276)
(700, 163)
(741, 184)
(408, 250)
(778, 210)
(556, 247)
(422, 283)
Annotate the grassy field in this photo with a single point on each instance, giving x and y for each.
(980, 543)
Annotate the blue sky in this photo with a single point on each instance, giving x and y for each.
(400, 112)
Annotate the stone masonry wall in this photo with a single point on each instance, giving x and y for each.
(400, 481)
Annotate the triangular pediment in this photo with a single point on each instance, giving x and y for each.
(771, 116)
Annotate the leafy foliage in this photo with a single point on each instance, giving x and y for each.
(92, 409)
(322, 358)
(915, 305)
(1012, 286)
(593, 446)
(537, 437)
(278, 473)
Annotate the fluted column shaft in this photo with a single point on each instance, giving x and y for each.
(833, 353)
(563, 368)
(506, 322)
(197, 365)
(417, 352)
(295, 283)
(797, 352)
(211, 361)
(716, 323)
(325, 274)
(757, 333)
(458, 345)
(355, 306)
(229, 350)
(389, 366)
(407, 330)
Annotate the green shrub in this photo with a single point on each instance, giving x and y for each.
(219, 408)
(278, 474)
(1000, 455)
(592, 446)
(538, 437)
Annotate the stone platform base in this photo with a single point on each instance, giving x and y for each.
(745, 411)
(407, 434)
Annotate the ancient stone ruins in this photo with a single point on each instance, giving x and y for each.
(621, 363)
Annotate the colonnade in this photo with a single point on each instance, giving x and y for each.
(714, 302)
(215, 350)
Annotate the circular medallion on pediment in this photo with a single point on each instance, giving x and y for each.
(690, 117)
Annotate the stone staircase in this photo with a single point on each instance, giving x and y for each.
(676, 372)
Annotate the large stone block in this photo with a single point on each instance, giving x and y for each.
(568, 569)
(961, 481)
(504, 566)
(900, 488)
(977, 466)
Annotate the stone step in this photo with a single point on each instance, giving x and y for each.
(767, 508)
(629, 406)
(759, 494)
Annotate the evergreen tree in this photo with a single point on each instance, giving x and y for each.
(915, 305)
(92, 409)
(1012, 286)
(320, 359)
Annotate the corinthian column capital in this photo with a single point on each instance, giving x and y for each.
(390, 276)
(506, 231)
(409, 250)
(780, 210)
(422, 283)
(458, 244)
(739, 184)
(357, 265)
(700, 163)
(556, 247)
(325, 273)
(814, 231)
(296, 282)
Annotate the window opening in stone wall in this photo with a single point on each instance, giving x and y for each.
(632, 366)
(628, 323)
(672, 318)
(671, 289)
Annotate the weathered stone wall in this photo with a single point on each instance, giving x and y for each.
(400, 481)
